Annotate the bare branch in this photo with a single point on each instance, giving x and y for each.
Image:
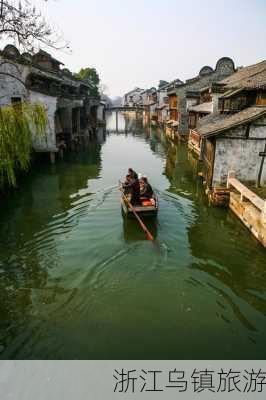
(26, 27)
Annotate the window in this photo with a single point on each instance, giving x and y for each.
(16, 103)
(261, 99)
(192, 121)
(227, 104)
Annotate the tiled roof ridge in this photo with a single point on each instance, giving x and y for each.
(215, 128)
(244, 73)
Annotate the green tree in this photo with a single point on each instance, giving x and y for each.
(91, 77)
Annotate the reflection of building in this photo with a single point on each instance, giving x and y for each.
(171, 159)
(101, 134)
(181, 170)
(229, 277)
(31, 237)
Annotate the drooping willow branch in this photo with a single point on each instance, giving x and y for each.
(18, 125)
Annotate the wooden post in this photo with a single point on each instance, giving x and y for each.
(116, 121)
(52, 157)
(263, 213)
(231, 174)
(202, 145)
(78, 121)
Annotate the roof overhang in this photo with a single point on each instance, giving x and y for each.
(218, 131)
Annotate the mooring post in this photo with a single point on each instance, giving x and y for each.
(52, 157)
(116, 120)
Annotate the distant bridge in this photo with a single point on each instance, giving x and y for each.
(118, 109)
(125, 108)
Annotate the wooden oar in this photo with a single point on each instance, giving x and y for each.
(147, 232)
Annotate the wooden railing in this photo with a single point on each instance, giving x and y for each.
(247, 194)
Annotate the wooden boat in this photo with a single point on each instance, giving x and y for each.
(147, 208)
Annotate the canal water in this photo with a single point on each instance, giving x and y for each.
(77, 281)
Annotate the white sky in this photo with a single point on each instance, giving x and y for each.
(137, 43)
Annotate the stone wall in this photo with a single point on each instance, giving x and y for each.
(240, 155)
(12, 79)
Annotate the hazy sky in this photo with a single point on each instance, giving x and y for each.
(138, 42)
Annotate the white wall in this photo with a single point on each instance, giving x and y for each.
(240, 155)
(10, 86)
(153, 108)
(164, 114)
(191, 102)
(100, 112)
(47, 143)
(161, 94)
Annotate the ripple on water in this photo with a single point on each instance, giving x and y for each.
(85, 283)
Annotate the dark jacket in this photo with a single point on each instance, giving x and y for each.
(135, 192)
(134, 175)
(148, 192)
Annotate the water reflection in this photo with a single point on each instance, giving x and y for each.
(132, 231)
(79, 281)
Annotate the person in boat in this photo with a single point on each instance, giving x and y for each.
(142, 186)
(127, 185)
(132, 173)
(146, 191)
(131, 189)
(135, 194)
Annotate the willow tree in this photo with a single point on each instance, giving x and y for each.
(18, 125)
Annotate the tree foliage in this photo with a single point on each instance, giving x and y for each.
(18, 124)
(91, 77)
(25, 26)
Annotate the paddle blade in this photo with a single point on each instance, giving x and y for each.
(149, 235)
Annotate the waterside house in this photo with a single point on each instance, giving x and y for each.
(71, 111)
(101, 110)
(186, 95)
(234, 137)
(162, 106)
(162, 102)
(149, 101)
(132, 98)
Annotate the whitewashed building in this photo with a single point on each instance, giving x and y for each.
(234, 138)
(132, 98)
(71, 113)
